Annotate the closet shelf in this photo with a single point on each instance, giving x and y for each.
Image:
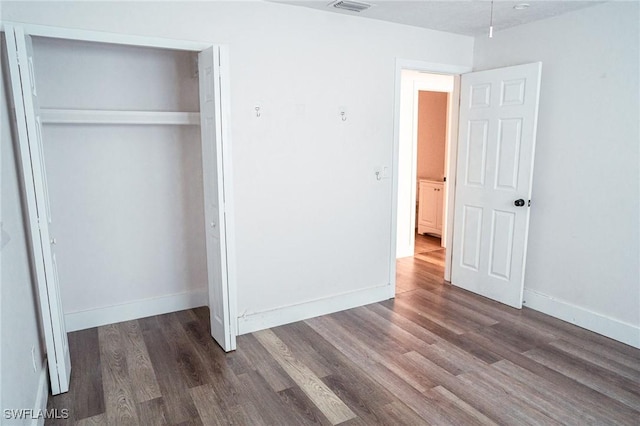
(85, 116)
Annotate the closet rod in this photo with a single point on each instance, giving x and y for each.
(84, 116)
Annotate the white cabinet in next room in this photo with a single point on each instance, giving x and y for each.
(430, 207)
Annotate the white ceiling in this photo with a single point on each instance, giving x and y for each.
(469, 17)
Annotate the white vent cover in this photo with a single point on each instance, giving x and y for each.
(353, 6)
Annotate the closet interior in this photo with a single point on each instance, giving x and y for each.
(121, 142)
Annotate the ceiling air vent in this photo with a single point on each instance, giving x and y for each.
(353, 6)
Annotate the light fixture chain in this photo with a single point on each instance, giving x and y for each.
(491, 22)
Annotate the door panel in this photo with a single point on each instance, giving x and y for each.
(498, 117)
(472, 231)
(211, 135)
(41, 225)
(501, 252)
(476, 149)
(508, 161)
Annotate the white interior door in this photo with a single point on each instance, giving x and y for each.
(498, 118)
(20, 53)
(214, 211)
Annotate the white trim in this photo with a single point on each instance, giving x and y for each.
(593, 321)
(2, 244)
(434, 68)
(111, 38)
(451, 169)
(229, 199)
(40, 403)
(134, 310)
(248, 323)
(413, 198)
(86, 116)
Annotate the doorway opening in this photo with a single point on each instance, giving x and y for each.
(405, 177)
(427, 124)
(489, 174)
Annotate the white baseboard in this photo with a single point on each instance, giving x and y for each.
(598, 323)
(405, 252)
(133, 310)
(249, 323)
(40, 404)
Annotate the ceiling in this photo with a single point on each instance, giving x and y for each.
(469, 17)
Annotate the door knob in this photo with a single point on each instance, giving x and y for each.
(213, 224)
(518, 203)
(53, 241)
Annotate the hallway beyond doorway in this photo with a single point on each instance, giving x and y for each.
(428, 248)
(426, 266)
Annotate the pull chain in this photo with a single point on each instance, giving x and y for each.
(491, 22)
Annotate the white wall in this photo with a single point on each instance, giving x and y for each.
(83, 75)
(312, 221)
(583, 258)
(19, 324)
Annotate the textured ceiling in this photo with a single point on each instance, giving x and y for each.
(461, 17)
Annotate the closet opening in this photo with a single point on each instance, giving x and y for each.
(126, 163)
(126, 197)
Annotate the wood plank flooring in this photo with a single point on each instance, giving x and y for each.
(433, 355)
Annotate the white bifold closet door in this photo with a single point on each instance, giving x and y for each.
(214, 202)
(41, 225)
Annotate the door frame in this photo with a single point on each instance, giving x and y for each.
(451, 155)
(224, 87)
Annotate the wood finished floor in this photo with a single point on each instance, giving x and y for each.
(433, 355)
